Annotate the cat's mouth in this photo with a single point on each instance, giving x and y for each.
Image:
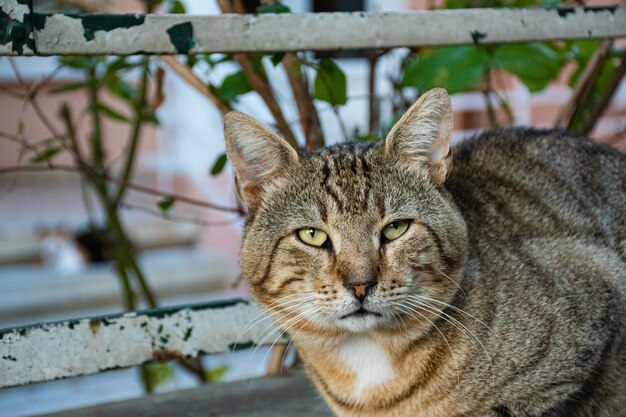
(361, 312)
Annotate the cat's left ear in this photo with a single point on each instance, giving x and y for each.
(259, 156)
(422, 136)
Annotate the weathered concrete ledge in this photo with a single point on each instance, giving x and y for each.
(291, 396)
(68, 348)
(93, 34)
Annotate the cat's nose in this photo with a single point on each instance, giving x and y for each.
(360, 291)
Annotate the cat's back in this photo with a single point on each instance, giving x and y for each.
(528, 183)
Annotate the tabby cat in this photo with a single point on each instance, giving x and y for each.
(412, 286)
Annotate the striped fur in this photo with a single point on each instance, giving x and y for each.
(505, 297)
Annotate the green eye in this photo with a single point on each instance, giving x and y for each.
(395, 229)
(313, 237)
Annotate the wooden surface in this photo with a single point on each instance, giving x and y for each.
(290, 396)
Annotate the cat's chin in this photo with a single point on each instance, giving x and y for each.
(360, 321)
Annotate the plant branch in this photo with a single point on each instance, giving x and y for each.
(373, 107)
(600, 107)
(262, 86)
(136, 187)
(309, 118)
(195, 82)
(140, 107)
(584, 85)
(97, 151)
(178, 219)
(259, 83)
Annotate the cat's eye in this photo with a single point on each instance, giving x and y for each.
(394, 230)
(314, 237)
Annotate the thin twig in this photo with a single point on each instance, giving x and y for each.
(259, 83)
(262, 86)
(31, 95)
(584, 85)
(179, 219)
(599, 107)
(141, 106)
(309, 119)
(373, 104)
(195, 82)
(136, 187)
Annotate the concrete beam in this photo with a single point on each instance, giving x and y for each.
(62, 34)
(50, 351)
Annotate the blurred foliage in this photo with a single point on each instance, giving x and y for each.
(216, 374)
(330, 83)
(157, 374)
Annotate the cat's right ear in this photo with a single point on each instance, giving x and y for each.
(259, 156)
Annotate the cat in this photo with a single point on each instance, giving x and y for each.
(491, 283)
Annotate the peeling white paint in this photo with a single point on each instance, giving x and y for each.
(14, 9)
(58, 350)
(326, 31)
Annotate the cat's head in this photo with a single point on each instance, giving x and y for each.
(350, 237)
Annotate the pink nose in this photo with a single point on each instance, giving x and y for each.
(360, 291)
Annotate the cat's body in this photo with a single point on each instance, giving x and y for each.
(497, 288)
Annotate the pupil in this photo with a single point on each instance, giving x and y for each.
(312, 232)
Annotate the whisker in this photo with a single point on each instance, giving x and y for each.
(315, 314)
(284, 328)
(464, 329)
(426, 298)
(264, 315)
(456, 364)
(455, 283)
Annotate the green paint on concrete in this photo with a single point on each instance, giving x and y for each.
(17, 33)
(181, 36)
(95, 22)
(39, 20)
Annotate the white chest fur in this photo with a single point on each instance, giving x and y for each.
(368, 361)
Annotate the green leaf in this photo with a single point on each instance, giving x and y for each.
(79, 62)
(166, 203)
(177, 7)
(69, 87)
(46, 155)
(368, 137)
(581, 52)
(273, 8)
(111, 113)
(257, 63)
(330, 83)
(192, 60)
(233, 86)
(216, 374)
(157, 374)
(219, 164)
(534, 63)
(214, 59)
(118, 64)
(454, 68)
(277, 57)
(121, 89)
(149, 116)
